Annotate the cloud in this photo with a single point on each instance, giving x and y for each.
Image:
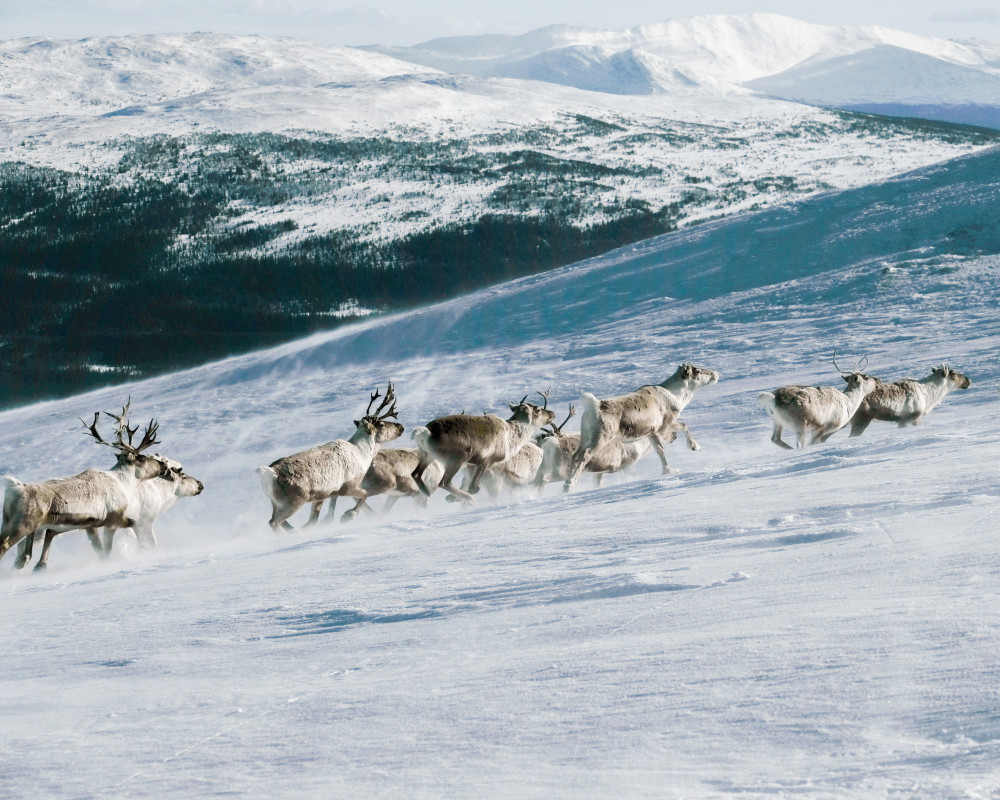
(968, 15)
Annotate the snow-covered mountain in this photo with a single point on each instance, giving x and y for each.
(862, 67)
(819, 622)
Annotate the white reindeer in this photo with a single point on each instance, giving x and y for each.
(481, 441)
(649, 412)
(153, 498)
(391, 474)
(905, 402)
(815, 413)
(91, 500)
(332, 470)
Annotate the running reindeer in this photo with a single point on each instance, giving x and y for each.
(480, 441)
(650, 412)
(815, 413)
(91, 500)
(391, 474)
(905, 402)
(558, 449)
(153, 498)
(332, 470)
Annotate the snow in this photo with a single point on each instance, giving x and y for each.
(822, 622)
(716, 52)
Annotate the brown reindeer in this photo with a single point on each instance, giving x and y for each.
(481, 441)
(905, 402)
(648, 412)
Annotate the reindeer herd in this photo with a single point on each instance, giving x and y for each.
(526, 450)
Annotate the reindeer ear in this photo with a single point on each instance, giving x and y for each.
(357, 423)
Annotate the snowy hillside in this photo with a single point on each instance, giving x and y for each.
(820, 622)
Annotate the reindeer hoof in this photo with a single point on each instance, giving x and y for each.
(20, 563)
(696, 447)
(670, 470)
(40, 566)
(347, 516)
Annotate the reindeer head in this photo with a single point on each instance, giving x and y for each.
(143, 467)
(536, 416)
(696, 377)
(377, 424)
(955, 378)
(856, 377)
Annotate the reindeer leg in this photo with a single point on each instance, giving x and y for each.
(95, 542)
(24, 551)
(350, 514)
(43, 559)
(598, 479)
(279, 516)
(776, 438)
(145, 536)
(859, 424)
(361, 495)
(580, 459)
(658, 447)
(331, 511)
(477, 477)
(447, 484)
(314, 514)
(692, 444)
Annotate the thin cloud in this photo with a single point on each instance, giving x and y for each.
(968, 15)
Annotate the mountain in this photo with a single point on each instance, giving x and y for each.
(235, 192)
(891, 80)
(710, 52)
(817, 622)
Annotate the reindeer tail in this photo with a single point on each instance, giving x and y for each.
(422, 436)
(267, 480)
(766, 399)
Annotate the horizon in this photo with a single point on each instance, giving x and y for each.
(394, 23)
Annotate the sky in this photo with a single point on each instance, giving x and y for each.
(403, 22)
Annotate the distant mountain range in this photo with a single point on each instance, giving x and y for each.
(859, 68)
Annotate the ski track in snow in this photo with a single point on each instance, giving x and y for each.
(821, 622)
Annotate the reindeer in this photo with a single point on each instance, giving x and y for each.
(91, 500)
(482, 442)
(391, 473)
(816, 412)
(558, 449)
(153, 498)
(905, 402)
(516, 472)
(332, 470)
(649, 412)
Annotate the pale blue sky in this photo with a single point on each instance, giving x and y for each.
(412, 21)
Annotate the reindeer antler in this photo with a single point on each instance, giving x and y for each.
(389, 400)
(557, 429)
(837, 366)
(121, 420)
(122, 429)
(545, 397)
(92, 429)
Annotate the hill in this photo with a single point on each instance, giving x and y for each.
(817, 621)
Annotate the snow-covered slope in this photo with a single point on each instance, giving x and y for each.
(819, 622)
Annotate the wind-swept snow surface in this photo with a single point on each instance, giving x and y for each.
(823, 622)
